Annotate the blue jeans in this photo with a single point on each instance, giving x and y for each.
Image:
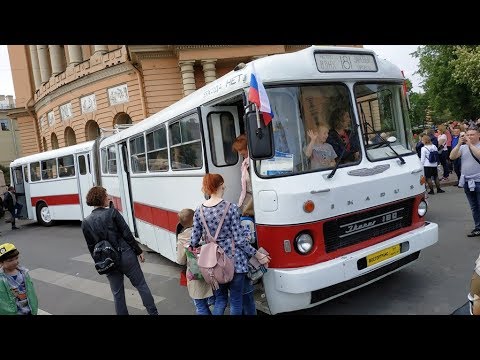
(201, 306)
(236, 296)
(249, 307)
(473, 198)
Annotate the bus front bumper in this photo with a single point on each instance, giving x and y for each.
(301, 288)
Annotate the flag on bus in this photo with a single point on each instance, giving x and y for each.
(258, 96)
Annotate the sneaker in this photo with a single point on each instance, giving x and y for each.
(431, 192)
(15, 228)
(439, 191)
(474, 233)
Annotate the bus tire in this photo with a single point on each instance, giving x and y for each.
(43, 215)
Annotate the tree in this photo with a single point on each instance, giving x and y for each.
(418, 109)
(467, 67)
(446, 88)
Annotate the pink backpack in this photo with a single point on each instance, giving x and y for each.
(216, 267)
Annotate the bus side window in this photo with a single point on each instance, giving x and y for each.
(81, 165)
(112, 159)
(185, 144)
(35, 171)
(221, 128)
(49, 169)
(25, 173)
(65, 166)
(157, 151)
(137, 155)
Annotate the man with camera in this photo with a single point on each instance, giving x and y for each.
(468, 149)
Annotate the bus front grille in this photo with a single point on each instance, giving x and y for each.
(353, 229)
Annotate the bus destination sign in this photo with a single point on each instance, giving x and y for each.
(345, 62)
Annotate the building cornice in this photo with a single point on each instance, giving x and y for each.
(16, 113)
(84, 81)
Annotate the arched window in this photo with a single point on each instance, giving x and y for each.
(92, 131)
(70, 138)
(122, 118)
(54, 141)
(45, 147)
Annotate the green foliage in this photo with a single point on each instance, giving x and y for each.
(446, 69)
(467, 67)
(418, 109)
(409, 85)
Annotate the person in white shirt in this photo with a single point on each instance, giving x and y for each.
(430, 168)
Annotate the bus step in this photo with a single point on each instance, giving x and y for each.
(260, 299)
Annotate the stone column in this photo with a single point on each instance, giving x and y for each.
(57, 57)
(209, 70)
(74, 54)
(44, 62)
(188, 76)
(35, 66)
(102, 49)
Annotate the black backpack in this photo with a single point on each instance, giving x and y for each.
(433, 156)
(106, 257)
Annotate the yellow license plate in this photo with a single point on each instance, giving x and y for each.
(383, 255)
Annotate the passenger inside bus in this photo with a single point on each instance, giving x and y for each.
(245, 201)
(320, 153)
(343, 140)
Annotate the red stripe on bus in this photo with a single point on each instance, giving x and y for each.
(162, 218)
(52, 200)
(117, 202)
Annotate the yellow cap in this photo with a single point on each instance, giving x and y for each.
(6, 248)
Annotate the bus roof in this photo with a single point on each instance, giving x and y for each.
(271, 70)
(69, 150)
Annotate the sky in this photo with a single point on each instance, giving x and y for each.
(400, 56)
(397, 54)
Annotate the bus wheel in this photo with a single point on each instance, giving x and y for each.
(43, 215)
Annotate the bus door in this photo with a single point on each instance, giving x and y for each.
(126, 188)
(20, 190)
(85, 181)
(221, 127)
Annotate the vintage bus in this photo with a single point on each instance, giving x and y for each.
(52, 185)
(329, 229)
(329, 226)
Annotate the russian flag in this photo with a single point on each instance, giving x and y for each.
(258, 96)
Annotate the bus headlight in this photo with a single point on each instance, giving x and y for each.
(422, 208)
(303, 243)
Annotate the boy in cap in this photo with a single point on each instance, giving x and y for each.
(17, 294)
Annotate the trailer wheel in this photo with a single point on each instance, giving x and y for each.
(43, 215)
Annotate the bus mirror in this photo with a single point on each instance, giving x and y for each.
(260, 143)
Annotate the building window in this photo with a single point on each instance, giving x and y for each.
(5, 125)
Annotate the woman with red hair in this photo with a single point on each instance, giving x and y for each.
(231, 230)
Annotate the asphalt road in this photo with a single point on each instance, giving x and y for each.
(437, 283)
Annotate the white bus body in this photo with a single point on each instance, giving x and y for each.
(52, 185)
(369, 209)
(329, 230)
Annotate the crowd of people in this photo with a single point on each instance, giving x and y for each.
(458, 149)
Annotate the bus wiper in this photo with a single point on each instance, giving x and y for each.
(337, 164)
(383, 141)
(341, 155)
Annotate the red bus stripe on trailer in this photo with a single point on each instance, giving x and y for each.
(165, 219)
(52, 200)
(117, 202)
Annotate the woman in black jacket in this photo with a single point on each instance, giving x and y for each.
(106, 223)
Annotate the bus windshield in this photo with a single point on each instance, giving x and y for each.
(383, 117)
(314, 127)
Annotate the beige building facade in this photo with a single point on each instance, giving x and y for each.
(65, 94)
(10, 147)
